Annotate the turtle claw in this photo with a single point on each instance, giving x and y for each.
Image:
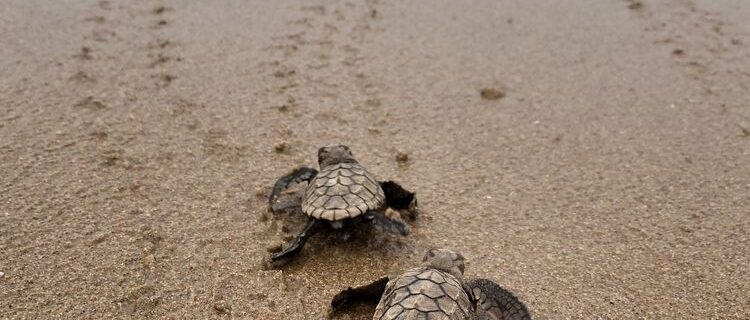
(412, 211)
(278, 263)
(282, 258)
(276, 260)
(276, 256)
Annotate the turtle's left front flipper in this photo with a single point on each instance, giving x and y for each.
(400, 199)
(283, 257)
(493, 302)
(297, 175)
(368, 293)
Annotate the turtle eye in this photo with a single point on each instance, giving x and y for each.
(430, 254)
(322, 153)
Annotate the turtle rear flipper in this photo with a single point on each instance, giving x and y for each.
(297, 175)
(493, 302)
(390, 221)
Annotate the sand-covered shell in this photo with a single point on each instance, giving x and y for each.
(424, 293)
(340, 191)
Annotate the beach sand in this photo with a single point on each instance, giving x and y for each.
(591, 156)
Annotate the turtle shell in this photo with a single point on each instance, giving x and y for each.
(341, 191)
(424, 293)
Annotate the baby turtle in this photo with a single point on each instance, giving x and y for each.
(436, 290)
(340, 195)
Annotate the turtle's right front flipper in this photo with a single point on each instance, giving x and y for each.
(400, 199)
(297, 175)
(368, 293)
(495, 302)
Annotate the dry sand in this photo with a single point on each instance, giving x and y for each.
(604, 174)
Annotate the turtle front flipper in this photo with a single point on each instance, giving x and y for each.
(370, 293)
(297, 175)
(495, 302)
(284, 256)
(400, 199)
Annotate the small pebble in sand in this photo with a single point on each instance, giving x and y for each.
(678, 52)
(635, 5)
(402, 157)
(85, 54)
(745, 131)
(2, 274)
(491, 94)
(160, 10)
(281, 147)
(221, 307)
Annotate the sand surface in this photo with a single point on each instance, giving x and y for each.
(604, 174)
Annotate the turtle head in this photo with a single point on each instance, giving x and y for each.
(445, 260)
(333, 154)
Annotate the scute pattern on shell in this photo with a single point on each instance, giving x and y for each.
(423, 293)
(341, 191)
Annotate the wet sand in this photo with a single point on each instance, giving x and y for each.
(591, 156)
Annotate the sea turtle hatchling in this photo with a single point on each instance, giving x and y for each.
(436, 291)
(340, 195)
